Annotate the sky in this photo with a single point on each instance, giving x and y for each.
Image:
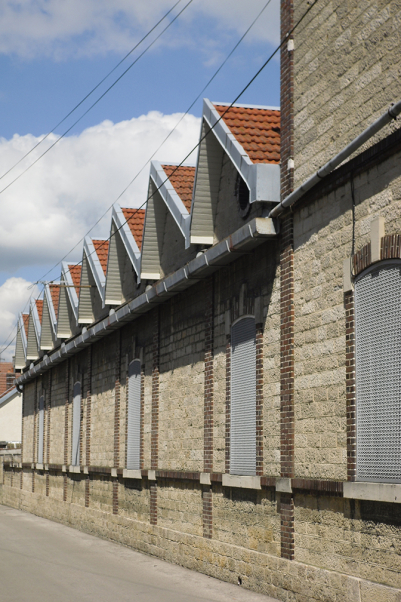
(52, 54)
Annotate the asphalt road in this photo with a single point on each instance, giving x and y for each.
(43, 561)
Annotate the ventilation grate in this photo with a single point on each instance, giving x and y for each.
(378, 374)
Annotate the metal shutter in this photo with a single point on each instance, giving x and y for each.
(41, 428)
(134, 416)
(76, 424)
(243, 398)
(378, 374)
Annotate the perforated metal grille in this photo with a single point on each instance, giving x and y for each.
(76, 424)
(378, 374)
(243, 398)
(41, 428)
(134, 416)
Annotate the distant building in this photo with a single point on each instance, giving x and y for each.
(6, 376)
(10, 417)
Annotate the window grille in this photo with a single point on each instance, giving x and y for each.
(41, 428)
(76, 424)
(243, 397)
(378, 373)
(134, 416)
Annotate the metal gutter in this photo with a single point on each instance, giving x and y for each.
(239, 243)
(392, 113)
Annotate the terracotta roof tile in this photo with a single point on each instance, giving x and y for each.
(257, 131)
(135, 219)
(26, 323)
(75, 271)
(183, 182)
(102, 250)
(55, 293)
(39, 307)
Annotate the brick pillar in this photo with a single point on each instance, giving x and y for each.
(66, 409)
(350, 383)
(88, 422)
(208, 387)
(259, 399)
(22, 443)
(207, 500)
(287, 284)
(117, 421)
(228, 401)
(154, 457)
(47, 417)
(35, 410)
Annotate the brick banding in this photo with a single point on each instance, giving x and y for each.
(208, 380)
(153, 504)
(66, 412)
(390, 246)
(88, 424)
(207, 503)
(362, 259)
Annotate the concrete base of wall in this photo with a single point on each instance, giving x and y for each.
(289, 581)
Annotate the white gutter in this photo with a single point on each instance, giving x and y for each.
(239, 243)
(392, 113)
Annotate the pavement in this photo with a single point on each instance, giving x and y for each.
(44, 561)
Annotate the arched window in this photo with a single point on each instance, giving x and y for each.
(243, 397)
(76, 424)
(134, 416)
(41, 430)
(378, 373)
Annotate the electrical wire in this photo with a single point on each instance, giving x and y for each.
(163, 142)
(272, 55)
(91, 91)
(96, 101)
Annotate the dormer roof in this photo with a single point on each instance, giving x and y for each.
(182, 179)
(135, 220)
(102, 251)
(257, 129)
(75, 272)
(55, 296)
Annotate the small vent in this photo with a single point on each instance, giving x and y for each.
(242, 194)
(378, 373)
(243, 398)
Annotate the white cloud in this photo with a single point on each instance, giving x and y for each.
(75, 28)
(52, 206)
(14, 295)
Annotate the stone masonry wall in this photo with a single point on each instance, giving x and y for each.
(323, 239)
(347, 62)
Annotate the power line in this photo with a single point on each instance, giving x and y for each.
(165, 139)
(96, 101)
(212, 128)
(272, 55)
(91, 91)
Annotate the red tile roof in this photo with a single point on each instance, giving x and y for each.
(39, 307)
(183, 182)
(135, 219)
(55, 293)
(257, 131)
(102, 250)
(26, 323)
(75, 271)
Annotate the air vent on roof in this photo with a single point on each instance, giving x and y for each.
(242, 194)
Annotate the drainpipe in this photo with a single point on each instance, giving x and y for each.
(392, 113)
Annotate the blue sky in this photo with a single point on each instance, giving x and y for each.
(51, 55)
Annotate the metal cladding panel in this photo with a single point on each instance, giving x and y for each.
(76, 424)
(207, 185)
(152, 244)
(19, 351)
(243, 397)
(64, 316)
(134, 416)
(32, 352)
(378, 374)
(46, 334)
(85, 304)
(41, 428)
(115, 269)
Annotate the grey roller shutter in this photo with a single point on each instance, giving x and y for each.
(134, 416)
(76, 424)
(243, 398)
(41, 428)
(378, 373)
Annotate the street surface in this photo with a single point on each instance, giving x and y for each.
(43, 561)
